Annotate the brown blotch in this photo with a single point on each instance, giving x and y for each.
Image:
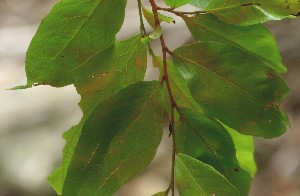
(253, 122)
(271, 76)
(236, 170)
(99, 74)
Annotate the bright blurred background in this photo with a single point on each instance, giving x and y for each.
(32, 120)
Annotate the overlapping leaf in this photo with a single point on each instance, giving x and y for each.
(248, 12)
(255, 40)
(194, 178)
(74, 31)
(118, 140)
(244, 146)
(149, 16)
(241, 91)
(208, 141)
(97, 78)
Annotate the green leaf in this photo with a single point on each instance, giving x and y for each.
(248, 12)
(176, 3)
(74, 31)
(56, 179)
(244, 146)
(110, 70)
(234, 87)
(148, 14)
(156, 33)
(118, 140)
(180, 90)
(255, 40)
(206, 140)
(194, 178)
(100, 76)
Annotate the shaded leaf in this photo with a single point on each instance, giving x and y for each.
(148, 14)
(73, 32)
(117, 133)
(176, 3)
(96, 79)
(248, 12)
(206, 140)
(234, 87)
(255, 40)
(194, 178)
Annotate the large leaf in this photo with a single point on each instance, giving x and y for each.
(73, 32)
(118, 140)
(244, 146)
(234, 87)
(255, 40)
(248, 12)
(194, 178)
(208, 141)
(97, 78)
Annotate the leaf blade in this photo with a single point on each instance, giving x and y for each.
(108, 157)
(192, 179)
(234, 88)
(68, 36)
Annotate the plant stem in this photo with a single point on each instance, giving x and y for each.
(180, 13)
(165, 78)
(142, 26)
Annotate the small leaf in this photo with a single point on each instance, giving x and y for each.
(156, 33)
(206, 140)
(239, 90)
(150, 17)
(196, 178)
(255, 40)
(118, 140)
(248, 12)
(176, 3)
(73, 32)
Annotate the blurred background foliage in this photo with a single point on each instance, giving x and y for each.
(32, 121)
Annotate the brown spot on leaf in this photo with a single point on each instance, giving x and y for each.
(236, 170)
(271, 76)
(99, 74)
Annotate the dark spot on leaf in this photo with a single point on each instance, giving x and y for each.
(270, 76)
(236, 170)
(174, 21)
(99, 74)
(287, 7)
(62, 56)
(249, 4)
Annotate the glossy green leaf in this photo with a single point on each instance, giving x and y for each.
(118, 140)
(176, 3)
(255, 40)
(206, 140)
(74, 31)
(97, 78)
(248, 12)
(234, 87)
(244, 146)
(194, 178)
(149, 16)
